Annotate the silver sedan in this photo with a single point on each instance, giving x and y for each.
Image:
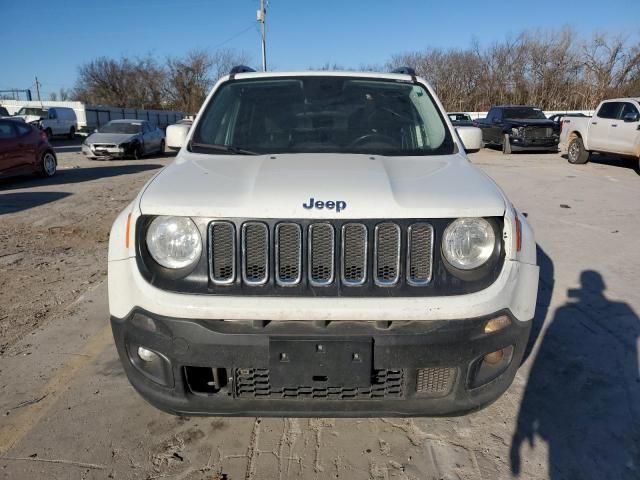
(124, 138)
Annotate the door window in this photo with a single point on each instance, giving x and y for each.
(626, 109)
(23, 129)
(53, 115)
(610, 110)
(7, 131)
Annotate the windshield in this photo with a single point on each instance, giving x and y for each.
(38, 112)
(459, 117)
(524, 112)
(323, 114)
(121, 127)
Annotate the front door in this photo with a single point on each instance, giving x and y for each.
(600, 124)
(624, 136)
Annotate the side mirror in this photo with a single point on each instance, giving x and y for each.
(95, 130)
(471, 138)
(176, 136)
(631, 117)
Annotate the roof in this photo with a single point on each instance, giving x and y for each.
(323, 73)
(129, 120)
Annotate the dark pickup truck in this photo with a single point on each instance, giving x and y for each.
(519, 128)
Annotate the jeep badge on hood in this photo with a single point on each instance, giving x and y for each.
(338, 205)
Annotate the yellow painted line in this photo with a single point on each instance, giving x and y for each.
(29, 416)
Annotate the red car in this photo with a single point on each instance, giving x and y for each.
(24, 149)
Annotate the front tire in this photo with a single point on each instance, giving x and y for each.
(161, 152)
(49, 133)
(48, 165)
(138, 152)
(576, 152)
(72, 133)
(506, 144)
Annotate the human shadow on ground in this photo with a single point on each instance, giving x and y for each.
(583, 392)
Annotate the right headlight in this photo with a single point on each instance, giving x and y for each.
(174, 242)
(468, 243)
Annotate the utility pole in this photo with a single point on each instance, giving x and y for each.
(38, 89)
(262, 13)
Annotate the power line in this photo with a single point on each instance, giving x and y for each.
(234, 36)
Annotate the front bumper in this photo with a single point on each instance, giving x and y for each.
(405, 368)
(111, 153)
(520, 143)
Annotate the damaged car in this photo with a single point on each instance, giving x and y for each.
(124, 139)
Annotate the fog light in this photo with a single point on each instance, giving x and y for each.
(147, 355)
(496, 324)
(494, 357)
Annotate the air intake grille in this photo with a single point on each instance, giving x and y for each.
(255, 248)
(254, 383)
(419, 253)
(538, 132)
(436, 382)
(387, 254)
(288, 253)
(354, 254)
(321, 258)
(321, 254)
(222, 244)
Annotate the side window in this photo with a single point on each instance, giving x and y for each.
(53, 114)
(22, 128)
(7, 131)
(627, 108)
(609, 110)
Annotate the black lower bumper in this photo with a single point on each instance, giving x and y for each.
(519, 143)
(302, 368)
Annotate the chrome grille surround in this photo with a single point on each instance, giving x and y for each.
(222, 252)
(322, 254)
(255, 253)
(288, 254)
(355, 247)
(419, 254)
(386, 254)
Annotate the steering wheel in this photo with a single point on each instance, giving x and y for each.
(373, 136)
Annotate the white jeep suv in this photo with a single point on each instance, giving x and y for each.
(321, 246)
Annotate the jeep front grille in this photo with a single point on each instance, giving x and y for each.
(322, 254)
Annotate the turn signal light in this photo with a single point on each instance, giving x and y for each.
(496, 324)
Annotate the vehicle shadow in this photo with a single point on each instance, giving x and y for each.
(613, 161)
(17, 202)
(583, 392)
(545, 290)
(76, 175)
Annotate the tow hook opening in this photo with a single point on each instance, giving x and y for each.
(206, 380)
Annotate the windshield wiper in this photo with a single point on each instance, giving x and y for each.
(222, 148)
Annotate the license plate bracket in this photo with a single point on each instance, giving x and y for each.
(320, 363)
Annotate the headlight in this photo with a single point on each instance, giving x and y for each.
(174, 242)
(517, 132)
(468, 243)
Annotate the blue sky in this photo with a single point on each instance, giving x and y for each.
(51, 38)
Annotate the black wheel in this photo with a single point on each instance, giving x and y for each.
(576, 152)
(506, 144)
(48, 164)
(72, 133)
(49, 133)
(138, 152)
(161, 152)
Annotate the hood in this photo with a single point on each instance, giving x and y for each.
(30, 118)
(278, 186)
(115, 138)
(530, 122)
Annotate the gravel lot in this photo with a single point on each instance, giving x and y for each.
(573, 412)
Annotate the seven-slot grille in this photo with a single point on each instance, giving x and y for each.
(320, 255)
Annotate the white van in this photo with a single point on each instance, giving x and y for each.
(52, 120)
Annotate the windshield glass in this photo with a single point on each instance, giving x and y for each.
(459, 117)
(324, 114)
(121, 127)
(38, 112)
(524, 112)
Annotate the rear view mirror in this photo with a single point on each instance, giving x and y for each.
(471, 138)
(631, 117)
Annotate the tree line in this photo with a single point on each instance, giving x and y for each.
(554, 70)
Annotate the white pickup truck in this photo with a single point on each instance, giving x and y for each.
(614, 129)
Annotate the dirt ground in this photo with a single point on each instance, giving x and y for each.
(573, 411)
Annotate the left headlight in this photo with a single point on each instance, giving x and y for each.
(468, 243)
(174, 242)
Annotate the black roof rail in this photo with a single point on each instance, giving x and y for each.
(405, 71)
(240, 69)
